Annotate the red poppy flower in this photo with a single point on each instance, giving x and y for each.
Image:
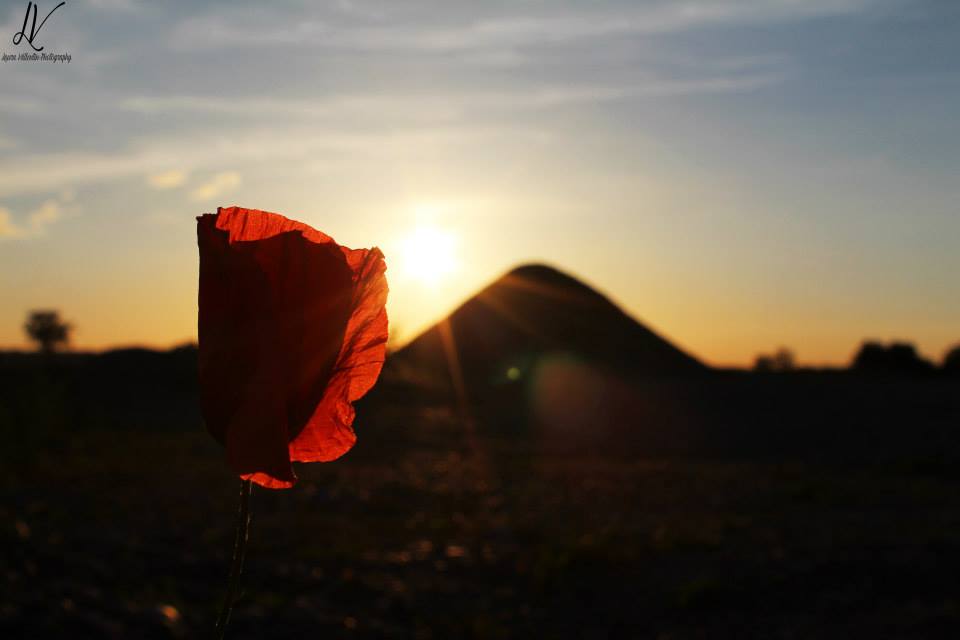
(292, 330)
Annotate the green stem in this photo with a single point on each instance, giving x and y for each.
(236, 566)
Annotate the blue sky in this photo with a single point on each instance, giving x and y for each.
(739, 175)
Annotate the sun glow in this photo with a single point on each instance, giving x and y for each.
(429, 255)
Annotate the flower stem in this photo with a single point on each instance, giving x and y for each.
(236, 566)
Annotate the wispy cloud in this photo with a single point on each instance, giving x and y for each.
(217, 185)
(331, 126)
(127, 5)
(248, 28)
(167, 179)
(37, 221)
(44, 215)
(8, 229)
(18, 105)
(448, 105)
(46, 171)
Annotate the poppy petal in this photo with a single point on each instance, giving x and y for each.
(292, 330)
(329, 434)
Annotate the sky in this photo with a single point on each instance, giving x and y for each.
(737, 175)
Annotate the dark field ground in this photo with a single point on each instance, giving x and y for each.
(730, 506)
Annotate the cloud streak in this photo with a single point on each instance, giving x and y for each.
(219, 184)
(8, 229)
(447, 105)
(38, 220)
(248, 28)
(43, 172)
(167, 179)
(318, 126)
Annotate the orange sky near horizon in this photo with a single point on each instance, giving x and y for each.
(154, 303)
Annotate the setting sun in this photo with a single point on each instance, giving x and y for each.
(428, 255)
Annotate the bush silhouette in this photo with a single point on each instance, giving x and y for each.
(47, 330)
(951, 361)
(897, 357)
(781, 360)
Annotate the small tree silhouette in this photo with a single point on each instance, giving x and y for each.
(763, 364)
(871, 357)
(783, 360)
(780, 361)
(951, 361)
(47, 330)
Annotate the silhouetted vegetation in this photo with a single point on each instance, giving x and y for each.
(897, 357)
(782, 360)
(951, 361)
(47, 330)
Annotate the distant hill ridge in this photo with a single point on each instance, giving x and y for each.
(536, 310)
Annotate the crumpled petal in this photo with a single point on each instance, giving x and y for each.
(293, 330)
